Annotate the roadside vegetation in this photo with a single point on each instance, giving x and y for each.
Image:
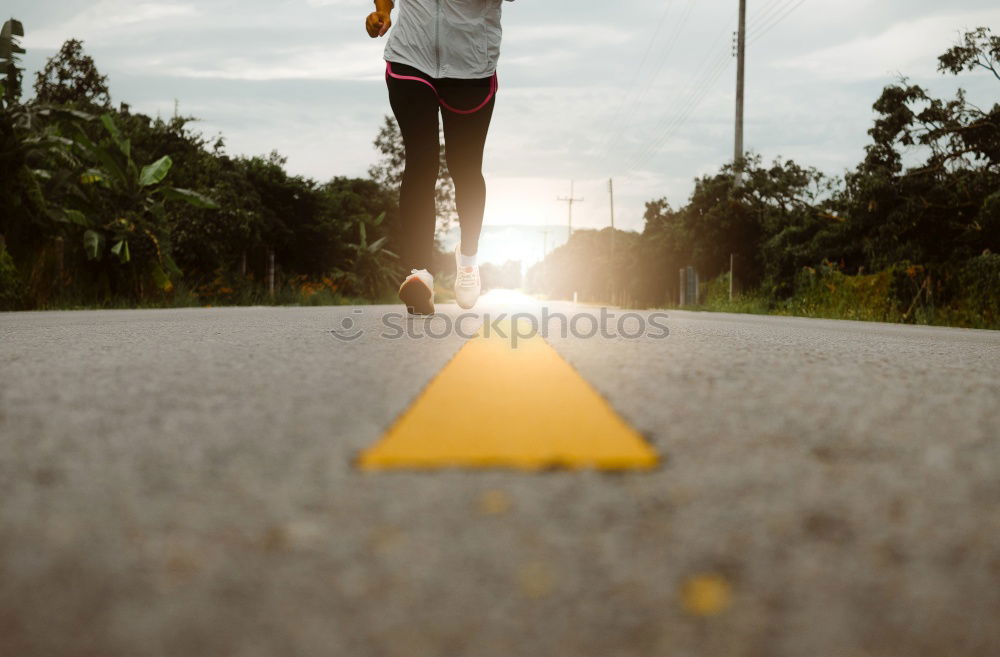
(106, 207)
(912, 234)
(101, 206)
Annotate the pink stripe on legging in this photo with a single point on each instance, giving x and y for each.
(493, 90)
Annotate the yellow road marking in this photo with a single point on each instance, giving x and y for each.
(493, 405)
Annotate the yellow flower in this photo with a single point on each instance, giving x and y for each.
(706, 594)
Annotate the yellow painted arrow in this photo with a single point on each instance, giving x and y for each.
(494, 405)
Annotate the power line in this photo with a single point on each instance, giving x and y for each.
(644, 88)
(701, 83)
(680, 119)
(672, 128)
(630, 89)
(570, 200)
(778, 12)
(763, 14)
(671, 43)
(790, 6)
(700, 74)
(695, 91)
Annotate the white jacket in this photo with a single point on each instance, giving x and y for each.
(447, 38)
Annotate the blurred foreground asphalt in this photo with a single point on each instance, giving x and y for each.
(181, 483)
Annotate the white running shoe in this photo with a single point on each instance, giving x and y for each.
(467, 285)
(417, 292)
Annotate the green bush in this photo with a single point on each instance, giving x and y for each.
(715, 295)
(828, 292)
(12, 289)
(976, 301)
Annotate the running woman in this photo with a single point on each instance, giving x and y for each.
(441, 58)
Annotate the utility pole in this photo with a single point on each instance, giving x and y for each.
(741, 42)
(270, 272)
(611, 199)
(545, 252)
(570, 201)
(730, 278)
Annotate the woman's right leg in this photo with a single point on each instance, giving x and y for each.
(465, 139)
(416, 109)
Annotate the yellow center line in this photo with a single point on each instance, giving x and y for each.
(497, 406)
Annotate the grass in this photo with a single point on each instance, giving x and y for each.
(900, 294)
(183, 297)
(871, 297)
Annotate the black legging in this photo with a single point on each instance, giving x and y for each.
(416, 109)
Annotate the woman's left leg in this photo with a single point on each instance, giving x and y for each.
(415, 107)
(464, 141)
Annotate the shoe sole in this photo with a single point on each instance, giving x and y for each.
(417, 297)
(466, 307)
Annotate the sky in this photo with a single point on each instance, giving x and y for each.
(639, 90)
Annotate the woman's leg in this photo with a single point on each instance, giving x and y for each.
(464, 141)
(416, 109)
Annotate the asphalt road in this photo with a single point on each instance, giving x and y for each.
(182, 482)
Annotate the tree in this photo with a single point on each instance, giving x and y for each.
(939, 210)
(980, 48)
(583, 265)
(371, 270)
(658, 255)
(35, 158)
(71, 77)
(389, 171)
(123, 206)
(10, 48)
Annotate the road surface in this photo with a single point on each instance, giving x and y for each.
(186, 482)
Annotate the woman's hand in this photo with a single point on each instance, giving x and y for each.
(379, 22)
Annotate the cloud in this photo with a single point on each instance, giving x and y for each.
(575, 35)
(910, 48)
(301, 76)
(108, 18)
(355, 61)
